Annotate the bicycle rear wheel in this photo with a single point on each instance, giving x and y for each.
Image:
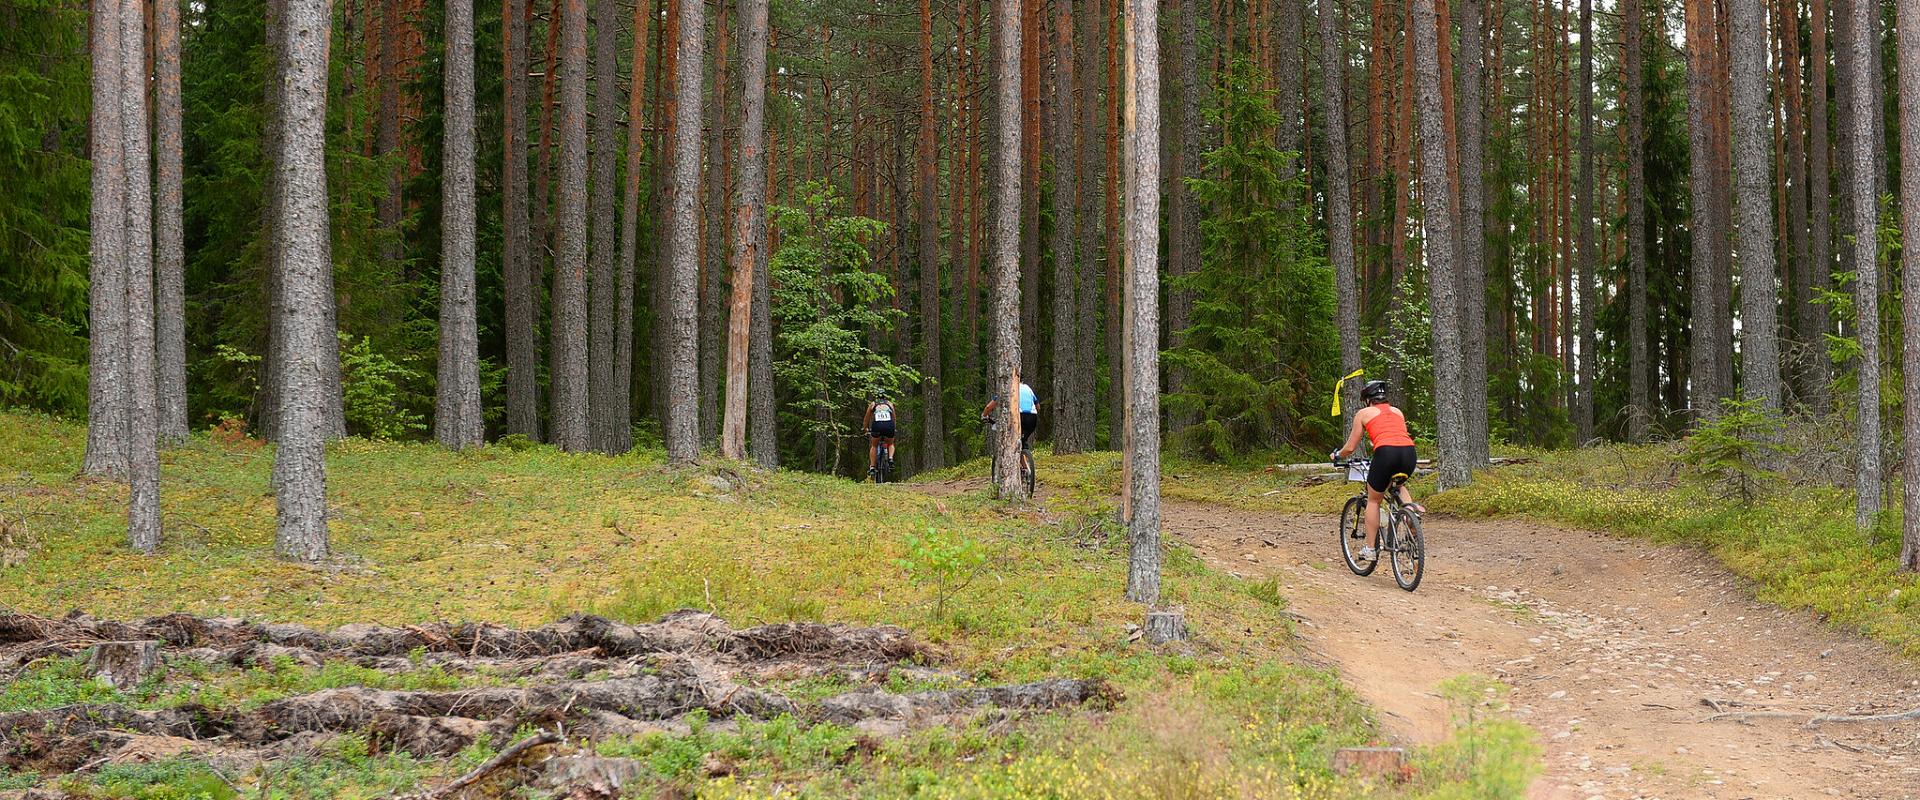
(1353, 536)
(885, 473)
(1409, 552)
(1027, 471)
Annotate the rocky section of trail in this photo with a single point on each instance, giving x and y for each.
(584, 678)
(1648, 671)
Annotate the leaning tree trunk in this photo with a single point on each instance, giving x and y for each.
(749, 225)
(1759, 297)
(457, 420)
(1005, 353)
(1069, 434)
(170, 345)
(1333, 67)
(1472, 272)
(610, 432)
(1142, 334)
(106, 274)
(571, 396)
(1909, 70)
(1866, 296)
(142, 434)
(299, 465)
(518, 264)
(1639, 396)
(683, 252)
(1442, 275)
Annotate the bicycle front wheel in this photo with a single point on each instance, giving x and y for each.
(1409, 552)
(1353, 536)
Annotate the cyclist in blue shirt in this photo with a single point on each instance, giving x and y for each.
(1029, 412)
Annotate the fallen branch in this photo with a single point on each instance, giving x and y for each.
(506, 757)
(1896, 717)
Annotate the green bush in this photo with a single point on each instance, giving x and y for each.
(1736, 451)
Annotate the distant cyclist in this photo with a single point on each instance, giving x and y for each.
(1386, 428)
(1029, 412)
(880, 426)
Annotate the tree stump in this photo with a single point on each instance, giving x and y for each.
(1372, 762)
(123, 664)
(1165, 625)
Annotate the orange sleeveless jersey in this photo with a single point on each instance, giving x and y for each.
(1389, 429)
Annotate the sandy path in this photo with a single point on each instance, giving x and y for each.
(1610, 646)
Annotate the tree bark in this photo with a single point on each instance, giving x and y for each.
(683, 254)
(1086, 329)
(1442, 275)
(518, 264)
(1759, 297)
(1587, 363)
(763, 440)
(1183, 224)
(1706, 235)
(142, 434)
(623, 312)
(750, 223)
(1794, 200)
(1866, 296)
(1288, 64)
(933, 449)
(1142, 327)
(299, 465)
(1819, 271)
(107, 387)
(170, 254)
(457, 420)
(1333, 68)
(1471, 134)
(571, 405)
(713, 261)
(609, 430)
(1639, 396)
(1069, 435)
(1908, 67)
(1005, 354)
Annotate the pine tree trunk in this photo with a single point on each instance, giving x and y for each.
(1032, 43)
(170, 255)
(1442, 275)
(1004, 355)
(713, 261)
(933, 450)
(1471, 133)
(518, 263)
(571, 405)
(1794, 195)
(142, 434)
(1588, 362)
(1908, 67)
(1086, 329)
(1333, 67)
(750, 224)
(1183, 224)
(1142, 325)
(1066, 200)
(107, 387)
(1639, 396)
(1858, 83)
(608, 432)
(299, 466)
(683, 252)
(1116, 358)
(632, 208)
(1819, 272)
(387, 131)
(1703, 366)
(457, 421)
(1288, 64)
(1759, 326)
(267, 398)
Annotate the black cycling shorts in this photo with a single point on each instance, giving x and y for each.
(1029, 422)
(1390, 461)
(882, 430)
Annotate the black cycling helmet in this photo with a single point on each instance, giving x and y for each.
(1374, 392)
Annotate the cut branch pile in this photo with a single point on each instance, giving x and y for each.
(582, 678)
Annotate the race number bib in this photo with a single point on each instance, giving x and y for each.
(883, 413)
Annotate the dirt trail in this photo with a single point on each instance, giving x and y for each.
(1610, 646)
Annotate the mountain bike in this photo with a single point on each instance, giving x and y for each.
(882, 460)
(1400, 537)
(1026, 454)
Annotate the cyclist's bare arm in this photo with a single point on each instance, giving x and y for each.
(988, 411)
(1359, 429)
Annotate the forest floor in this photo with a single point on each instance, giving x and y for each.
(714, 632)
(1643, 664)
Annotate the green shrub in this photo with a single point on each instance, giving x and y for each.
(1737, 450)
